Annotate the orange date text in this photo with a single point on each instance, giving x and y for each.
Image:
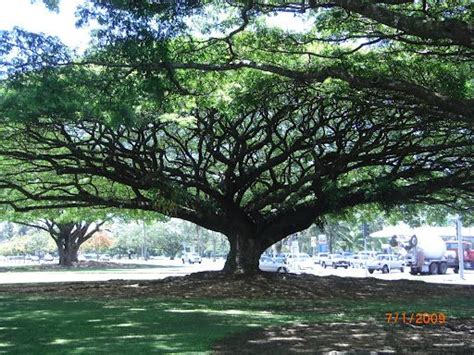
(420, 318)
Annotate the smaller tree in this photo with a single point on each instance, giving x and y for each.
(69, 228)
(128, 237)
(170, 244)
(38, 243)
(68, 236)
(13, 246)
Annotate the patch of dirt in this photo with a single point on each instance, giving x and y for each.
(260, 286)
(456, 337)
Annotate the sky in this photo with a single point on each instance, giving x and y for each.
(36, 18)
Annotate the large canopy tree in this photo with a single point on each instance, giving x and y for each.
(252, 132)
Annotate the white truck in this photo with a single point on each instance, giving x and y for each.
(426, 255)
(385, 263)
(191, 258)
(319, 257)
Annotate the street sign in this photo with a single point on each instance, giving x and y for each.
(314, 242)
(322, 239)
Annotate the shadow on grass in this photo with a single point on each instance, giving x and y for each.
(30, 325)
(62, 326)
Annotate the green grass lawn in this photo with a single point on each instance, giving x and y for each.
(37, 325)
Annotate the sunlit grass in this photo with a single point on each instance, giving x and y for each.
(36, 325)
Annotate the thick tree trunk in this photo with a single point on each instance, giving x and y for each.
(67, 254)
(68, 237)
(68, 244)
(244, 255)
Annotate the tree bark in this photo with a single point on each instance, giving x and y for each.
(67, 254)
(69, 237)
(244, 255)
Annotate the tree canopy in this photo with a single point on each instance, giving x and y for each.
(205, 112)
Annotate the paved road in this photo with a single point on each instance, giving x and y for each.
(450, 277)
(160, 269)
(157, 270)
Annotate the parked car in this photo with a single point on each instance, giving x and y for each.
(323, 259)
(104, 257)
(48, 257)
(347, 254)
(320, 257)
(191, 258)
(90, 257)
(301, 262)
(16, 257)
(335, 261)
(282, 257)
(385, 263)
(359, 259)
(273, 264)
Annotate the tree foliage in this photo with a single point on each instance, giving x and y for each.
(98, 243)
(239, 126)
(37, 243)
(165, 238)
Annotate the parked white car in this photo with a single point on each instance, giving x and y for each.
(273, 265)
(48, 257)
(104, 257)
(360, 259)
(300, 262)
(386, 263)
(319, 257)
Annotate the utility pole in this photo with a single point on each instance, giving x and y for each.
(213, 247)
(144, 241)
(364, 234)
(198, 240)
(460, 247)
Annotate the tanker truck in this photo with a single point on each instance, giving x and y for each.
(426, 254)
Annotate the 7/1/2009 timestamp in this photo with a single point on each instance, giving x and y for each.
(416, 318)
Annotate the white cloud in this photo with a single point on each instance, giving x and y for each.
(36, 18)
